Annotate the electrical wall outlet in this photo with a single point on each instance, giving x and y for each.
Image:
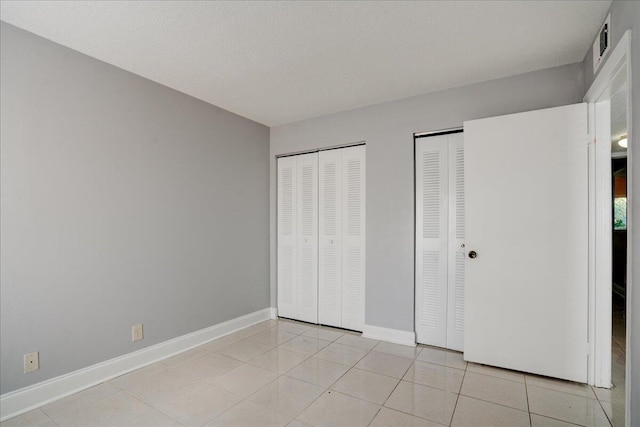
(136, 332)
(31, 362)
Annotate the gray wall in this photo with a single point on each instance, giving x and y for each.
(388, 131)
(122, 202)
(625, 15)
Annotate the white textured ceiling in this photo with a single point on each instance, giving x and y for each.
(279, 62)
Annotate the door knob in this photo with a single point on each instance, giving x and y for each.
(472, 254)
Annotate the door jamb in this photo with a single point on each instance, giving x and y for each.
(613, 73)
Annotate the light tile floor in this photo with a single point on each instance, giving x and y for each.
(285, 373)
(613, 400)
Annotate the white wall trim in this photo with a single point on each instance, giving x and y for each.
(616, 62)
(603, 242)
(274, 312)
(390, 335)
(28, 398)
(612, 76)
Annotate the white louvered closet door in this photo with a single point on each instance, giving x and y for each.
(456, 251)
(287, 237)
(353, 237)
(330, 238)
(307, 237)
(432, 191)
(321, 237)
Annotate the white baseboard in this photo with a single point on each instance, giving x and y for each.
(274, 313)
(28, 398)
(395, 336)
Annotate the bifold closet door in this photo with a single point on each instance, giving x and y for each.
(297, 210)
(456, 244)
(329, 237)
(287, 232)
(431, 240)
(440, 262)
(307, 195)
(341, 270)
(353, 237)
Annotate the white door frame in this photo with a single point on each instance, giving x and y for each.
(614, 73)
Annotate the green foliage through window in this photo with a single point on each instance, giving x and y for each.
(620, 213)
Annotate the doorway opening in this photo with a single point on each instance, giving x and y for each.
(619, 293)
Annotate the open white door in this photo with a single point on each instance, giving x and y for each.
(526, 291)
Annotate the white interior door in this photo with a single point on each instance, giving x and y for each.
(353, 236)
(456, 244)
(330, 238)
(307, 236)
(432, 191)
(526, 218)
(287, 237)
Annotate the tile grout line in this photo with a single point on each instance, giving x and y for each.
(565, 392)
(557, 419)
(379, 406)
(324, 360)
(407, 413)
(354, 397)
(49, 417)
(394, 389)
(499, 404)
(602, 407)
(399, 381)
(152, 407)
(86, 405)
(526, 390)
(41, 409)
(332, 384)
(496, 376)
(242, 398)
(246, 399)
(574, 395)
(459, 392)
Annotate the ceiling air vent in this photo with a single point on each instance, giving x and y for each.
(602, 44)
